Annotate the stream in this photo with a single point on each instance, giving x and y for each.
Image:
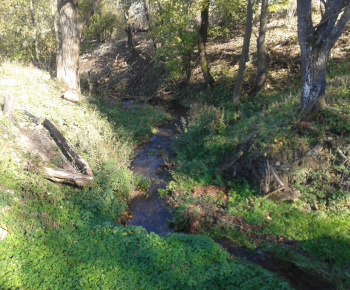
(152, 212)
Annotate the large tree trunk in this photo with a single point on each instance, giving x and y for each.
(203, 34)
(261, 63)
(313, 66)
(316, 43)
(71, 29)
(68, 65)
(245, 52)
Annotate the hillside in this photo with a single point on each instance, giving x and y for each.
(254, 174)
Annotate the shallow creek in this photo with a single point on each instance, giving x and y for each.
(152, 213)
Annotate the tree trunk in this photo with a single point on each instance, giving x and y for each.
(55, 29)
(71, 29)
(316, 43)
(203, 34)
(261, 63)
(148, 19)
(186, 59)
(68, 66)
(130, 33)
(313, 66)
(245, 52)
(36, 34)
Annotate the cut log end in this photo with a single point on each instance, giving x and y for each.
(8, 108)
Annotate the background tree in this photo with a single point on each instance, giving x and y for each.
(71, 30)
(104, 25)
(176, 37)
(202, 39)
(316, 42)
(261, 50)
(25, 31)
(245, 52)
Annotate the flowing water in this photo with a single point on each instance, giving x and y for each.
(152, 213)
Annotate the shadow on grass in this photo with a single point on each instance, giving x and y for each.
(59, 244)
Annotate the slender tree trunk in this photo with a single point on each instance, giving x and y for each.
(130, 33)
(186, 59)
(261, 63)
(55, 29)
(148, 19)
(36, 33)
(203, 34)
(245, 52)
(316, 43)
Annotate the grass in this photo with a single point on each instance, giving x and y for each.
(62, 237)
(268, 127)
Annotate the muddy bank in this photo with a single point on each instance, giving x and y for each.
(297, 278)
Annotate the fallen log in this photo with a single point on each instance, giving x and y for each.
(81, 178)
(67, 149)
(63, 176)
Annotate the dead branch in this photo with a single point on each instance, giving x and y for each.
(228, 165)
(276, 176)
(313, 153)
(342, 155)
(273, 192)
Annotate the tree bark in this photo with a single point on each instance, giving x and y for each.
(55, 29)
(67, 149)
(316, 43)
(71, 29)
(261, 63)
(68, 66)
(245, 52)
(129, 32)
(203, 35)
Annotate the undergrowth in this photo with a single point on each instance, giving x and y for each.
(269, 127)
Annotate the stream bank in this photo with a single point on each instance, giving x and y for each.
(152, 213)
